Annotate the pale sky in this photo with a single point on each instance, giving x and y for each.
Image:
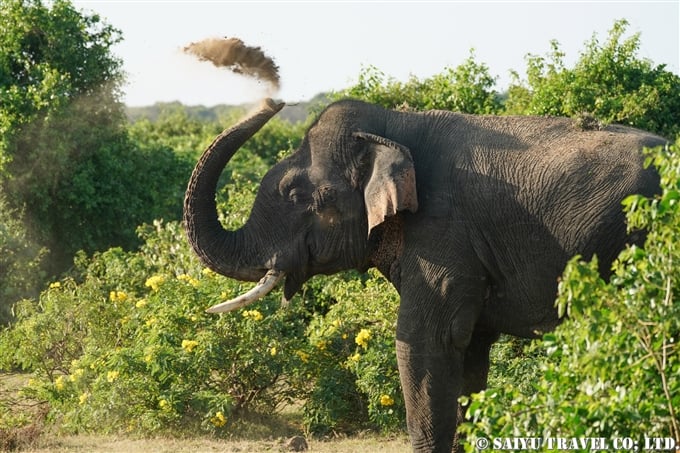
(322, 46)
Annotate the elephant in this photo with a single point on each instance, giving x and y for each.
(472, 218)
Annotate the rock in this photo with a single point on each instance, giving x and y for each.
(297, 443)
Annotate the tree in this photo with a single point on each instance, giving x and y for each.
(50, 57)
(20, 260)
(609, 81)
(67, 161)
(58, 106)
(467, 88)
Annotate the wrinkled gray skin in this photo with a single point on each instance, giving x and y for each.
(472, 218)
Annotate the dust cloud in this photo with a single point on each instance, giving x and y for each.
(233, 54)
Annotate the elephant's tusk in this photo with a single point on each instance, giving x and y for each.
(263, 287)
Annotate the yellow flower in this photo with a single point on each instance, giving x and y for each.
(155, 282)
(141, 303)
(112, 375)
(59, 383)
(150, 322)
(77, 374)
(148, 358)
(208, 272)
(189, 345)
(322, 344)
(218, 419)
(303, 356)
(255, 315)
(362, 338)
(55, 285)
(117, 296)
(164, 405)
(188, 279)
(356, 357)
(386, 400)
(272, 351)
(83, 398)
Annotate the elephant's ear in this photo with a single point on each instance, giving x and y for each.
(390, 183)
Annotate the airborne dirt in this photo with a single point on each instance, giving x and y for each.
(233, 54)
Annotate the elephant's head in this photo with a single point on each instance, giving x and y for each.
(315, 209)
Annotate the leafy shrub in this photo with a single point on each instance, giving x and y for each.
(131, 344)
(126, 339)
(351, 356)
(66, 160)
(609, 81)
(20, 261)
(467, 88)
(49, 57)
(612, 369)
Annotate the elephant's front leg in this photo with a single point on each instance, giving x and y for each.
(431, 381)
(433, 334)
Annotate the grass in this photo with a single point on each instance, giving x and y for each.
(109, 444)
(256, 433)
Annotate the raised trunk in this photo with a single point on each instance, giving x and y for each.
(231, 253)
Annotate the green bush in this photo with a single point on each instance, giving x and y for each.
(130, 343)
(350, 356)
(126, 339)
(609, 81)
(467, 88)
(612, 369)
(50, 57)
(20, 260)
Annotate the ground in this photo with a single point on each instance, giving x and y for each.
(263, 434)
(101, 444)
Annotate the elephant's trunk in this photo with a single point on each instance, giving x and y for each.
(231, 253)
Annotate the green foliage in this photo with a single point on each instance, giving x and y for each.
(20, 260)
(613, 368)
(117, 188)
(276, 137)
(49, 56)
(127, 340)
(177, 129)
(66, 160)
(608, 81)
(58, 106)
(468, 88)
(517, 361)
(174, 129)
(350, 356)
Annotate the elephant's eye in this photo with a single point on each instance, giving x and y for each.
(324, 197)
(297, 196)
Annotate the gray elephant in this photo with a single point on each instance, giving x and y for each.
(472, 219)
